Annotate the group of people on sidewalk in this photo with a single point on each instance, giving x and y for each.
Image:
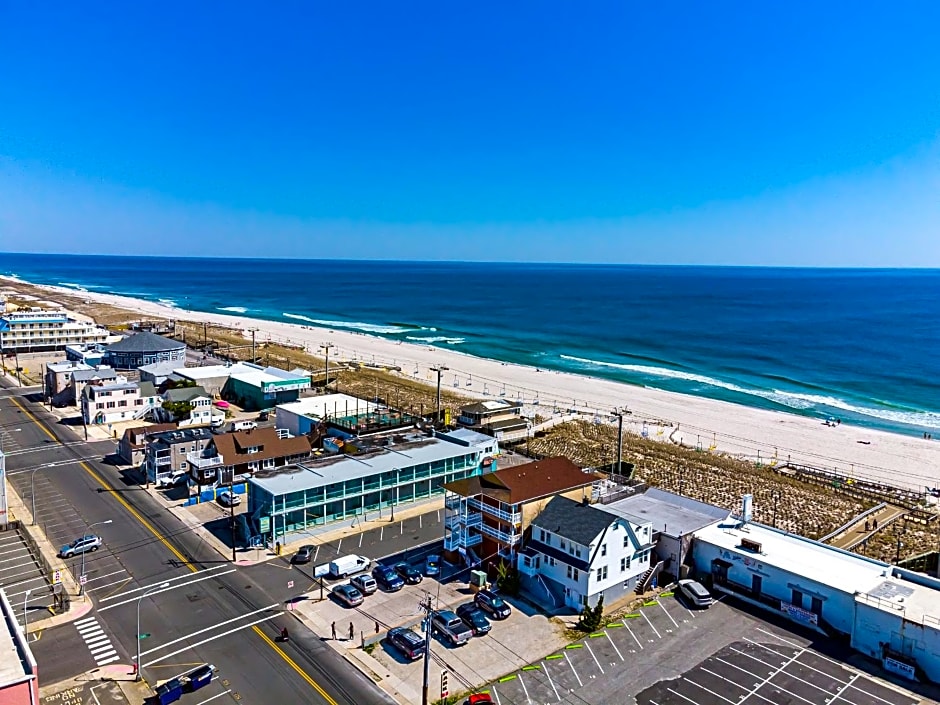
(352, 630)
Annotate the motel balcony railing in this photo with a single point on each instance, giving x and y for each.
(162, 459)
(201, 462)
(471, 519)
(502, 536)
(509, 517)
(461, 539)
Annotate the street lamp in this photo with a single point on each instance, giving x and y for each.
(32, 487)
(152, 590)
(26, 616)
(326, 348)
(776, 496)
(81, 584)
(439, 369)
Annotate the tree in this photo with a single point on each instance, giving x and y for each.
(592, 617)
(179, 409)
(507, 578)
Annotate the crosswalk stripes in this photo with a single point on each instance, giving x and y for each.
(98, 643)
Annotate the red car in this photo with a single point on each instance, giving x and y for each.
(479, 699)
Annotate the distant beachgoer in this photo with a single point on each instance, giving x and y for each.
(352, 631)
(867, 525)
(874, 524)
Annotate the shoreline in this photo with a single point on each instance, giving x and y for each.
(871, 454)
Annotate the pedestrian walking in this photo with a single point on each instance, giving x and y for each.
(352, 631)
(867, 525)
(874, 524)
(333, 626)
(376, 627)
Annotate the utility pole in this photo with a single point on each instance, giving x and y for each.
(231, 508)
(16, 361)
(619, 414)
(205, 335)
(439, 369)
(426, 606)
(253, 331)
(326, 348)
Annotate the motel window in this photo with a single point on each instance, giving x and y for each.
(542, 535)
(123, 402)
(603, 549)
(561, 542)
(111, 405)
(551, 561)
(624, 564)
(626, 541)
(602, 573)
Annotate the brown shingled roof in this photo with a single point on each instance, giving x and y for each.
(136, 435)
(233, 446)
(524, 483)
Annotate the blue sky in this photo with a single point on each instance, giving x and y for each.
(737, 133)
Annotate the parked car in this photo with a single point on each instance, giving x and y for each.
(432, 566)
(304, 555)
(263, 416)
(474, 618)
(451, 627)
(176, 479)
(85, 544)
(348, 595)
(387, 578)
(243, 425)
(491, 603)
(695, 593)
(364, 583)
(409, 573)
(479, 699)
(228, 499)
(409, 642)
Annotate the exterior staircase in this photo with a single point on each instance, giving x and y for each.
(643, 584)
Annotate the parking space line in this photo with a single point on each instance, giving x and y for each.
(632, 634)
(550, 681)
(777, 636)
(651, 624)
(753, 658)
(734, 665)
(872, 695)
(614, 645)
(843, 689)
(214, 697)
(764, 646)
(524, 689)
(14, 550)
(767, 679)
(721, 677)
(667, 613)
(573, 671)
(707, 690)
(676, 692)
(593, 656)
(498, 701)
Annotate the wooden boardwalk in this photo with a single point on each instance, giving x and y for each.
(856, 533)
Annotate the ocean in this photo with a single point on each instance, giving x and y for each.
(858, 345)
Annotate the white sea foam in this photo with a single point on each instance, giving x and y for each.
(436, 339)
(366, 327)
(168, 302)
(794, 400)
(72, 285)
(234, 309)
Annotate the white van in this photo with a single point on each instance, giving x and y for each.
(243, 425)
(345, 566)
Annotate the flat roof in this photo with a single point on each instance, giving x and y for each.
(259, 376)
(16, 658)
(830, 566)
(670, 514)
(309, 475)
(68, 366)
(912, 600)
(209, 371)
(468, 436)
(334, 405)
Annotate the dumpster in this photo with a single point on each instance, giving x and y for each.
(170, 692)
(199, 677)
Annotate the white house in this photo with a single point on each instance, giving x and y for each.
(201, 414)
(577, 553)
(120, 401)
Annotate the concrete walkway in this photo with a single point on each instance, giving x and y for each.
(857, 533)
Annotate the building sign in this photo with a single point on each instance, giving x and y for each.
(3, 490)
(287, 385)
(899, 667)
(798, 614)
(264, 524)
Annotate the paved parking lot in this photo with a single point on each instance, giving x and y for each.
(647, 656)
(21, 572)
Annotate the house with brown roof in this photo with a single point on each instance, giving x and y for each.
(241, 454)
(485, 515)
(132, 448)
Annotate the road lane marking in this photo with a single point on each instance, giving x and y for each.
(301, 672)
(214, 697)
(206, 641)
(209, 629)
(167, 589)
(168, 580)
(83, 621)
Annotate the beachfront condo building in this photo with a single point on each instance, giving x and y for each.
(38, 330)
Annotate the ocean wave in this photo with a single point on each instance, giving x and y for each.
(234, 309)
(168, 302)
(365, 327)
(793, 400)
(72, 285)
(436, 339)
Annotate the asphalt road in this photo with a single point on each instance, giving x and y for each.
(209, 611)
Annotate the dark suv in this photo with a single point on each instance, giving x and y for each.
(387, 578)
(411, 574)
(491, 603)
(407, 641)
(474, 618)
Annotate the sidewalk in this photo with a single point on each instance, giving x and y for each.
(113, 683)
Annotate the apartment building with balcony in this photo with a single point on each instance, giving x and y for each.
(37, 330)
(493, 416)
(168, 453)
(395, 471)
(119, 401)
(229, 457)
(485, 516)
(576, 553)
(133, 444)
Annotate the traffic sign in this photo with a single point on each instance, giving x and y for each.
(56, 577)
(290, 584)
(82, 579)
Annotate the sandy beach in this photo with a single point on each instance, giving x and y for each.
(910, 462)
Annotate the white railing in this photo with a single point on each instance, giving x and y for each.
(197, 460)
(510, 539)
(510, 517)
(460, 539)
